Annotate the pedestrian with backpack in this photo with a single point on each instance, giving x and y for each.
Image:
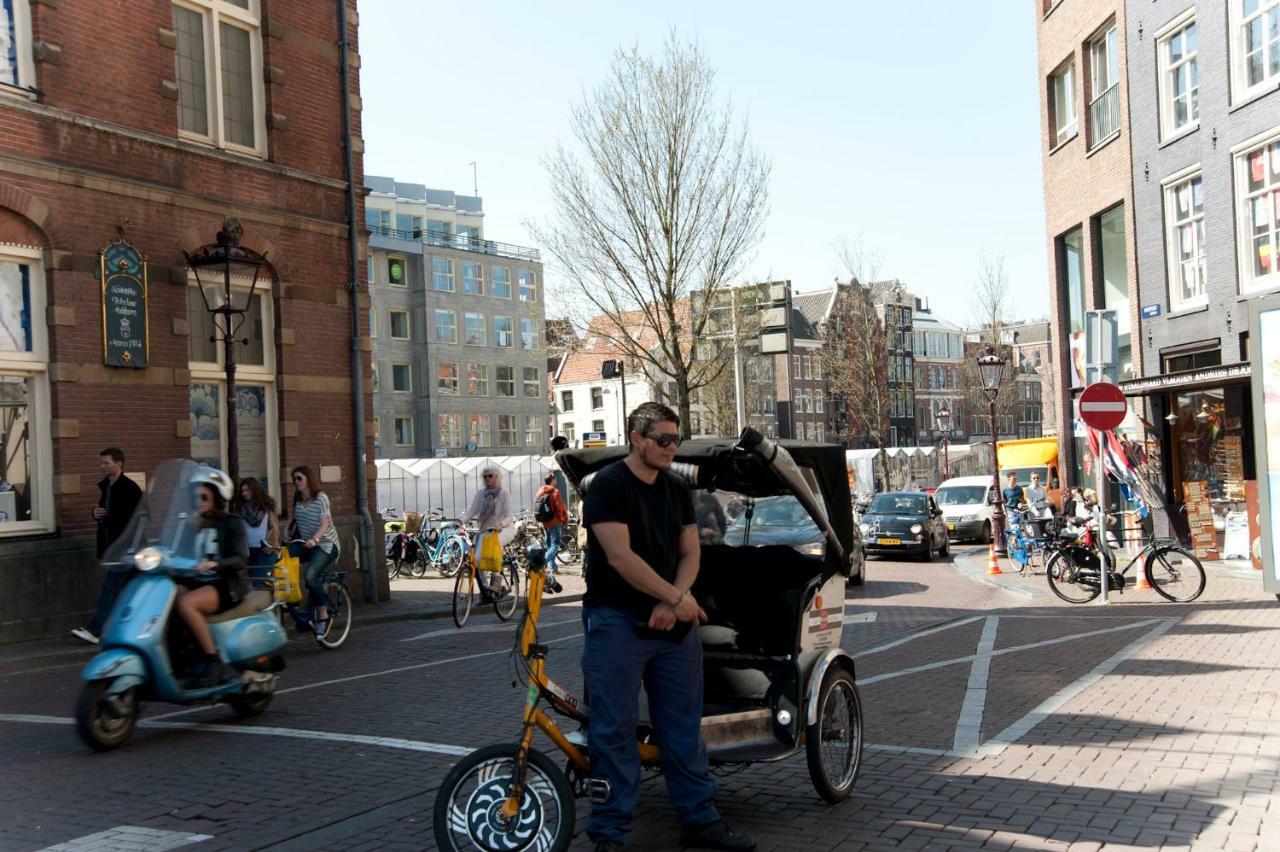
(550, 511)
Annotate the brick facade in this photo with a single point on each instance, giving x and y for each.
(97, 147)
(1082, 181)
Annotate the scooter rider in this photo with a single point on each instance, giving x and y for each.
(222, 541)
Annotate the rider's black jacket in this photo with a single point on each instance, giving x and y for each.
(233, 556)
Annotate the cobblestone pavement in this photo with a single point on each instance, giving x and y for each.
(996, 717)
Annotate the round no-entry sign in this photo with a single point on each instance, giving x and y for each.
(1102, 406)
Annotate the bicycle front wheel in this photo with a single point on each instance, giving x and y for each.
(505, 606)
(339, 616)
(463, 595)
(1072, 581)
(451, 559)
(1175, 574)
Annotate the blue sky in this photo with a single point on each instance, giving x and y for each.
(917, 130)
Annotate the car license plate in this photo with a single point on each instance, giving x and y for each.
(888, 541)
(951, 527)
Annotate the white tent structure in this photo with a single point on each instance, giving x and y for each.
(440, 486)
(397, 487)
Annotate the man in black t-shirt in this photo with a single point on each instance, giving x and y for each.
(638, 615)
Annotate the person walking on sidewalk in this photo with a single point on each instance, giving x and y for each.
(549, 510)
(638, 617)
(116, 504)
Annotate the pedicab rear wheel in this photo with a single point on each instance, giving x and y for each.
(466, 811)
(833, 744)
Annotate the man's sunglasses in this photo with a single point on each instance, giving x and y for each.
(665, 440)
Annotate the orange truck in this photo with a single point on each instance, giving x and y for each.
(1032, 455)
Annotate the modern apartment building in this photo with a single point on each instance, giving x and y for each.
(1206, 174)
(457, 324)
(1085, 143)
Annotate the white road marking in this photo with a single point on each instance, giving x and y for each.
(486, 628)
(860, 618)
(1023, 726)
(969, 725)
(1011, 650)
(129, 838)
(914, 636)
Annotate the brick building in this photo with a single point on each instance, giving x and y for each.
(210, 109)
(1085, 144)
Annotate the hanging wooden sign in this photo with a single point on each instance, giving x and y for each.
(126, 339)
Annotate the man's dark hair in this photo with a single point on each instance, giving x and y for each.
(647, 415)
(559, 442)
(117, 454)
(549, 479)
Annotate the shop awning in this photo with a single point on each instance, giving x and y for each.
(1187, 380)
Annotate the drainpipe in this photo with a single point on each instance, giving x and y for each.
(364, 522)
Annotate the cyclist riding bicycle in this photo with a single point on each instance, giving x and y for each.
(491, 510)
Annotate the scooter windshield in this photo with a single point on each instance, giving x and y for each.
(166, 518)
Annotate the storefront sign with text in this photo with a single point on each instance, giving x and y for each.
(125, 336)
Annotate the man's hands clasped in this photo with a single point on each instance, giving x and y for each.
(686, 608)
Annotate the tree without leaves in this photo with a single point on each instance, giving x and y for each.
(990, 314)
(658, 210)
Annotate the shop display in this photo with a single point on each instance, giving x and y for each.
(1204, 536)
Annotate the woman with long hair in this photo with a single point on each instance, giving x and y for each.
(313, 522)
(255, 506)
(222, 544)
(491, 510)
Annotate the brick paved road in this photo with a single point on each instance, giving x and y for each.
(1142, 725)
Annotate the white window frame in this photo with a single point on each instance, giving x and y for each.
(457, 379)
(480, 429)
(395, 430)
(532, 430)
(1249, 284)
(497, 391)
(373, 322)
(479, 277)
(1168, 70)
(484, 328)
(252, 375)
(435, 326)
(25, 87)
(1062, 133)
(511, 332)
(529, 342)
(525, 384)
(482, 379)
(493, 279)
(1240, 89)
(391, 324)
(408, 372)
(513, 433)
(592, 394)
(453, 437)
(1102, 44)
(1173, 265)
(214, 12)
(566, 395)
(435, 276)
(532, 287)
(34, 366)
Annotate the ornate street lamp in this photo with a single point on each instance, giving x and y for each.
(222, 270)
(991, 374)
(943, 418)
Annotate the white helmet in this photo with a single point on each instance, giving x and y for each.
(214, 478)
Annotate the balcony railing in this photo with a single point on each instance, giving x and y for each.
(1104, 115)
(462, 242)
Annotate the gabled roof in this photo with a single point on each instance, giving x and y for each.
(815, 307)
(889, 292)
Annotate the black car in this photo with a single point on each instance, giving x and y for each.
(904, 522)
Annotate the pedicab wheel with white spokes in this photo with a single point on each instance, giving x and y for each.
(468, 809)
(339, 616)
(833, 744)
(104, 719)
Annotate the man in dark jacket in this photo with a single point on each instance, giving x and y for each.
(119, 498)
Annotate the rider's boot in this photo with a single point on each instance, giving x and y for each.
(210, 671)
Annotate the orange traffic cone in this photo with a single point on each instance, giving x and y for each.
(1142, 582)
(993, 567)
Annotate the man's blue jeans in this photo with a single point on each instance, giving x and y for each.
(615, 661)
(112, 585)
(553, 545)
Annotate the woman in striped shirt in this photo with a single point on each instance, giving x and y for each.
(313, 521)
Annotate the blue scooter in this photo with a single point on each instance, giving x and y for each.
(146, 648)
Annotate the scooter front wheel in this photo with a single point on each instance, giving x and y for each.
(467, 812)
(105, 719)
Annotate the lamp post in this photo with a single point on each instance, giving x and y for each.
(222, 270)
(991, 373)
(943, 418)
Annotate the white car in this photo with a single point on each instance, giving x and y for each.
(965, 502)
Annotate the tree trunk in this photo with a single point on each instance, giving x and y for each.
(682, 400)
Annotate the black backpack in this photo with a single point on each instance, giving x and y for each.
(543, 511)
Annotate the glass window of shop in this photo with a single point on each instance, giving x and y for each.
(1115, 283)
(1211, 445)
(1071, 280)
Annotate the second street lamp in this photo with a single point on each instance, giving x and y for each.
(227, 275)
(991, 373)
(943, 418)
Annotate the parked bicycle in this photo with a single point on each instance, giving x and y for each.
(570, 551)
(441, 543)
(504, 592)
(528, 534)
(1075, 574)
(335, 599)
(1031, 540)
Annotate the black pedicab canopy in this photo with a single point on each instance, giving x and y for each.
(755, 466)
